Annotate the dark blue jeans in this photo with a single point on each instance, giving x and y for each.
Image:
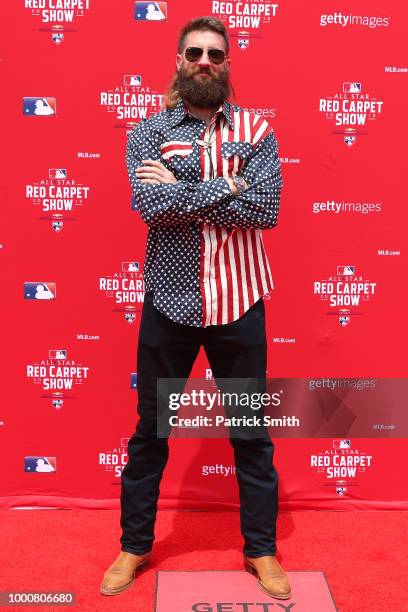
(168, 350)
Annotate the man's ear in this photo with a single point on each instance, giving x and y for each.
(179, 59)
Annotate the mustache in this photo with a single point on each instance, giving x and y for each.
(218, 78)
(207, 92)
(204, 71)
(184, 72)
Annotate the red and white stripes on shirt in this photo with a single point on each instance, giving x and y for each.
(234, 268)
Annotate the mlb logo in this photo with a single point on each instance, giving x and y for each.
(344, 320)
(57, 222)
(150, 11)
(57, 226)
(130, 317)
(351, 87)
(57, 173)
(40, 291)
(341, 491)
(341, 443)
(350, 140)
(57, 37)
(243, 40)
(39, 106)
(132, 79)
(130, 266)
(243, 43)
(345, 270)
(40, 464)
(57, 354)
(133, 380)
(124, 442)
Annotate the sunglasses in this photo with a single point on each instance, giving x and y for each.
(194, 53)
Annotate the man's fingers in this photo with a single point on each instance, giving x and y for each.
(154, 170)
(148, 173)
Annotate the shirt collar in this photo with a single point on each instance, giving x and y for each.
(180, 111)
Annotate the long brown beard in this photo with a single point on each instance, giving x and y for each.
(210, 93)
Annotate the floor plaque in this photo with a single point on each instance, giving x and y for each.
(238, 591)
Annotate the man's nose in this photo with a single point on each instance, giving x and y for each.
(204, 59)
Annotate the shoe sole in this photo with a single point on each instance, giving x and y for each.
(125, 586)
(253, 571)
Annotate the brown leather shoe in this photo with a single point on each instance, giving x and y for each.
(272, 580)
(121, 574)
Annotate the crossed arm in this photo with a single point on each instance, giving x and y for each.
(163, 200)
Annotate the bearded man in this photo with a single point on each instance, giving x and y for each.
(206, 177)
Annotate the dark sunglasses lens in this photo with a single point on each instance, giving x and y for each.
(216, 55)
(193, 53)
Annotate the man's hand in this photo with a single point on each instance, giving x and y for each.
(235, 189)
(154, 172)
(232, 185)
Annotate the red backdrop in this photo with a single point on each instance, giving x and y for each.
(331, 83)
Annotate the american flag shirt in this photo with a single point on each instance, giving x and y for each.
(205, 258)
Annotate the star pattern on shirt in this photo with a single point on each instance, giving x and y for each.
(175, 212)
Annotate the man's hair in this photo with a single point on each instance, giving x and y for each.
(199, 24)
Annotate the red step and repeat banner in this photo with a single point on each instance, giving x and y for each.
(79, 74)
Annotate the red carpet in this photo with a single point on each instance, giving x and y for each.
(363, 554)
